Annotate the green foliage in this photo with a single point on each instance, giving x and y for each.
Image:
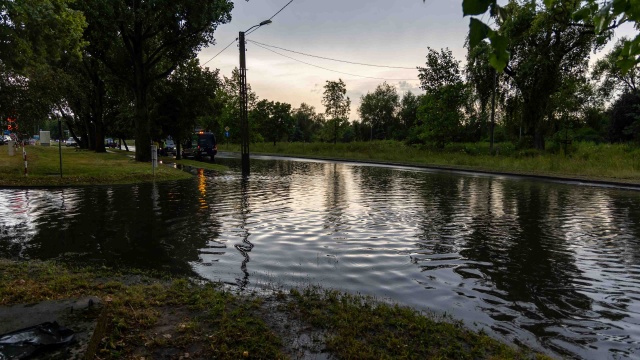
(441, 108)
(378, 109)
(273, 120)
(625, 118)
(408, 113)
(611, 77)
(441, 114)
(187, 95)
(337, 106)
(307, 123)
(142, 42)
(442, 69)
(36, 32)
(594, 16)
(228, 105)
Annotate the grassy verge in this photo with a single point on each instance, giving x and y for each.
(79, 168)
(588, 161)
(155, 315)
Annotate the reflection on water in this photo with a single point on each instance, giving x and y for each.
(554, 266)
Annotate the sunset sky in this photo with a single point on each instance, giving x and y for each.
(379, 32)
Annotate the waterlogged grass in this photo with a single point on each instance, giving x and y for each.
(195, 163)
(78, 168)
(361, 328)
(608, 162)
(153, 316)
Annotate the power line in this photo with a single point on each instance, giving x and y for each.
(274, 15)
(338, 60)
(339, 72)
(216, 55)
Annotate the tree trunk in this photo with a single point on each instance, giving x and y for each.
(143, 133)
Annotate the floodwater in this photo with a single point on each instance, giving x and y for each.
(554, 266)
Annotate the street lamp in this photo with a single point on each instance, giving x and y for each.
(244, 121)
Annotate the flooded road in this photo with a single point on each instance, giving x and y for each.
(554, 266)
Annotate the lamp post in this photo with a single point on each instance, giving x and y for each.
(244, 121)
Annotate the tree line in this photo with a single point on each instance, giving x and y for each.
(129, 69)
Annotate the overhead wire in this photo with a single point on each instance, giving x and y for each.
(236, 39)
(327, 58)
(336, 71)
(274, 15)
(221, 51)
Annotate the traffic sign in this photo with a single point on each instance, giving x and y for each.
(226, 128)
(226, 134)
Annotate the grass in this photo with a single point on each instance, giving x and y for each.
(587, 161)
(81, 168)
(157, 315)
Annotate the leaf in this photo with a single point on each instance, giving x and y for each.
(625, 64)
(502, 13)
(620, 6)
(476, 7)
(600, 22)
(478, 31)
(582, 14)
(499, 56)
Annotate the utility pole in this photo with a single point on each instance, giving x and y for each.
(493, 109)
(244, 121)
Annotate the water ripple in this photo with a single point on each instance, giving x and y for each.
(555, 267)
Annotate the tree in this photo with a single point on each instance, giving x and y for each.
(613, 80)
(441, 108)
(482, 76)
(541, 57)
(260, 115)
(307, 123)
(229, 98)
(591, 16)
(184, 97)
(36, 32)
(337, 105)
(378, 109)
(442, 69)
(408, 113)
(142, 42)
(624, 116)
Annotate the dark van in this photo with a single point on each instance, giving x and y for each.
(206, 145)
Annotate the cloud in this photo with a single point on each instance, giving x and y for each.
(405, 87)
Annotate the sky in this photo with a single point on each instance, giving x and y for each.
(379, 32)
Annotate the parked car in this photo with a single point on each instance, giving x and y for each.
(2, 141)
(169, 148)
(71, 142)
(190, 146)
(110, 143)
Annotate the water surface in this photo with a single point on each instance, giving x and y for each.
(554, 266)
